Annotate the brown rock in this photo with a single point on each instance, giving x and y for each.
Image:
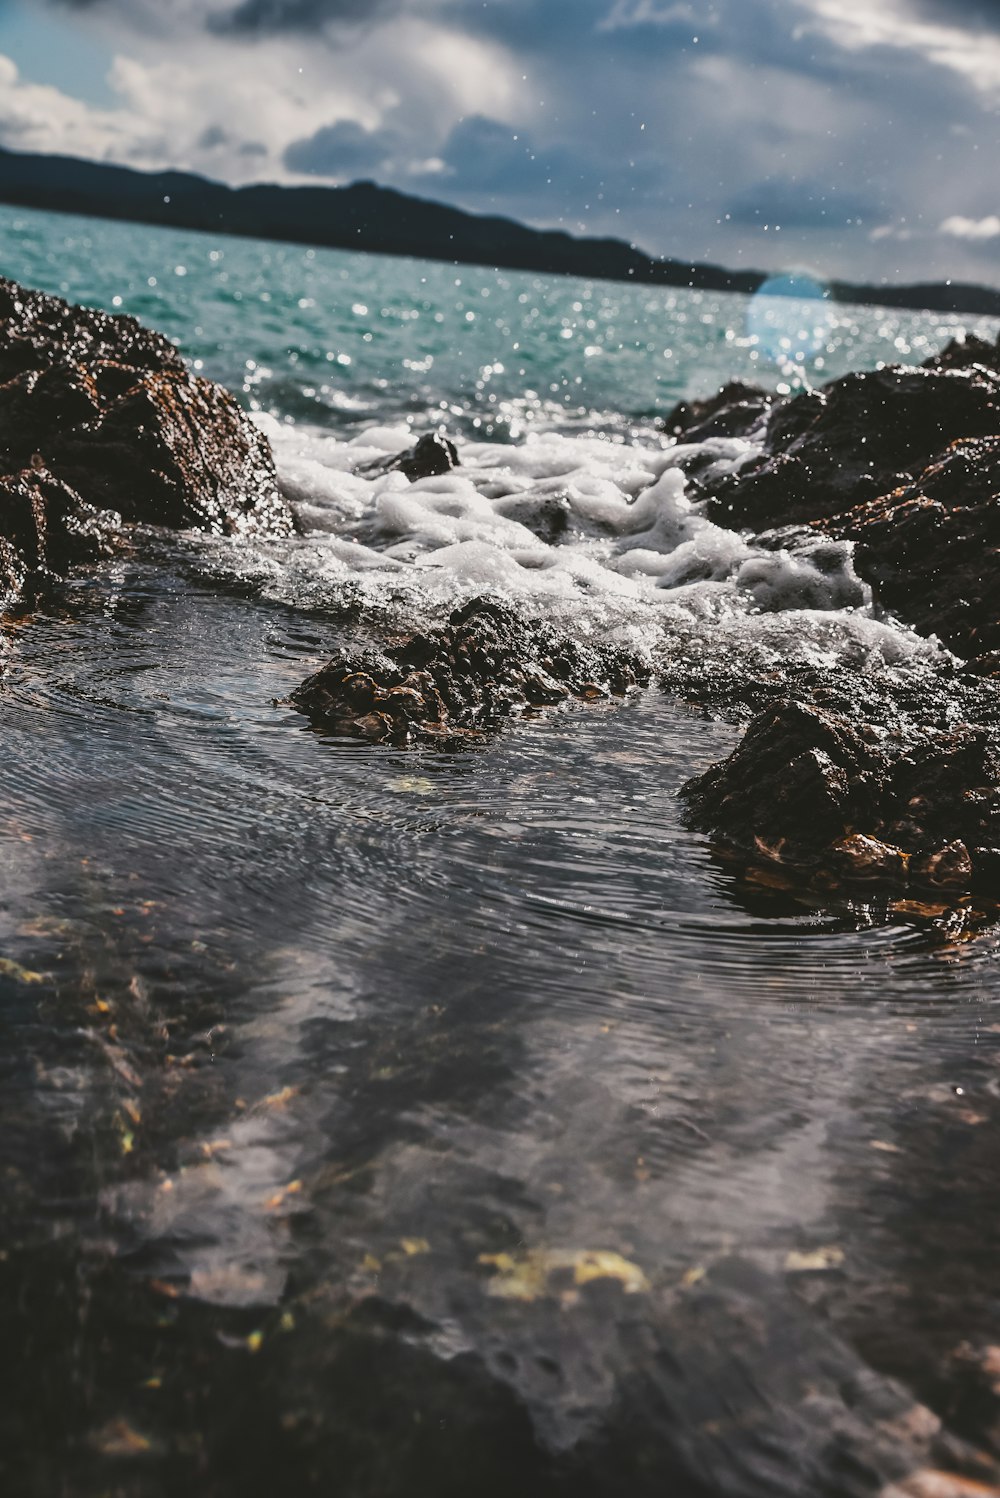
(107, 410)
(460, 681)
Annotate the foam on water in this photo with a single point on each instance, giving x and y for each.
(600, 536)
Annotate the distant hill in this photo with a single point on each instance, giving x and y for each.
(365, 216)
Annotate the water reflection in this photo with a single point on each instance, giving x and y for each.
(425, 1123)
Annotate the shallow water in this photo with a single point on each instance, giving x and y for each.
(381, 1122)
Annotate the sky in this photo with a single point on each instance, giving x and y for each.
(851, 138)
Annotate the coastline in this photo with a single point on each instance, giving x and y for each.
(384, 221)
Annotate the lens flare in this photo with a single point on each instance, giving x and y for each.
(790, 318)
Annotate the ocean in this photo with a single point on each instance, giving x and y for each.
(387, 1121)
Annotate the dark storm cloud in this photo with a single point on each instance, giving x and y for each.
(978, 15)
(343, 149)
(267, 17)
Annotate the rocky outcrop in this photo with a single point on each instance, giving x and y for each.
(860, 437)
(458, 682)
(930, 548)
(894, 784)
(101, 423)
(902, 797)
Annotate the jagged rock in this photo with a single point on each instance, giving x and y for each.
(931, 548)
(902, 802)
(856, 439)
(99, 414)
(462, 680)
(730, 413)
(433, 453)
(46, 527)
(959, 353)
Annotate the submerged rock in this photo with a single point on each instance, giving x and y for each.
(460, 681)
(99, 414)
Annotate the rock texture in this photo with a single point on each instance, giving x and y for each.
(431, 454)
(897, 786)
(734, 411)
(101, 423)
(458, 682)
(859, 786)
(857, 438)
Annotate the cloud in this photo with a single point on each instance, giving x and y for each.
(692, 127)
(951, 43)
(263, 17)
(971, 228)
(343, 149)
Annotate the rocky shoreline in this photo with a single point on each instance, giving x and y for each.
(843, 783)
(842, 788)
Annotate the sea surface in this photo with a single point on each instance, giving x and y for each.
(380, 1121)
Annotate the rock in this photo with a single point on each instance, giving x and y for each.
(859, 437)
(959, 353)
(732, 412)
(45, 527)
(898, 802)
(930, 548)
(547, 516)
(98, 415)
(462, 680)
(433, 453)
(202, 463)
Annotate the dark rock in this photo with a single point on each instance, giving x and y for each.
(38, 331)
(931, 548)
(97, 413)
(433, 453)
(545, 515)
(462, 680)
(900, 801)
(45, 527)
(732, 412)
(858, 438)
(176, 450)
(959, 353)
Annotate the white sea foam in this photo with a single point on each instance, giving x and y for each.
(599, 535)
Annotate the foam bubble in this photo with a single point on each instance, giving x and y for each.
(600, 536)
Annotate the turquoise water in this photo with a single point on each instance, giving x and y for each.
(342, 340)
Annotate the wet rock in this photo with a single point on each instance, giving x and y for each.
(859, 437)
(434, 453)
(902, 801)
(930, 548)
(45, 526)
(959, 353)
(99, 414)
(462, 680)
(732, 412)
(545, 515)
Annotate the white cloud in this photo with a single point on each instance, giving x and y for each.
(862, 24)
(39, 117)
(971, 228)
(229, 107)
(625, 13)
